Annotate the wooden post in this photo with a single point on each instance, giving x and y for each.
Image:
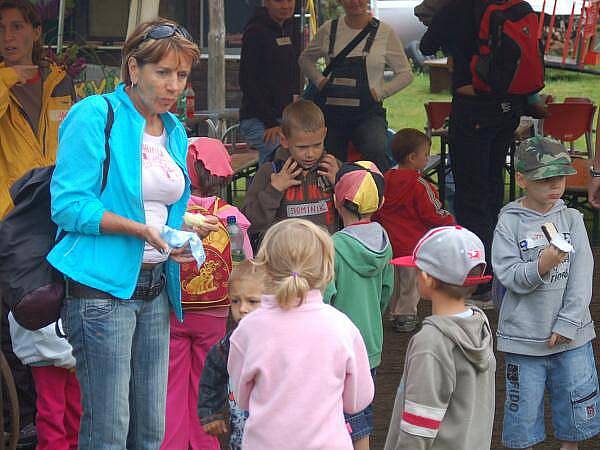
(216, 55)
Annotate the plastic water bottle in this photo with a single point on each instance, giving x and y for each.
(190, 101)
(236, 239)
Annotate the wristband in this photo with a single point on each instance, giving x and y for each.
(594, 172)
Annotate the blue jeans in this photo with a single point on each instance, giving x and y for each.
(253, 131)
(361, 423)
(571, 380)
(122, 353)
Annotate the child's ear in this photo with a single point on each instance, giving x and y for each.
(428, 281)
(521, 181)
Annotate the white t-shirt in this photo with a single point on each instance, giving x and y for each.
(466, 313)
(162, 185)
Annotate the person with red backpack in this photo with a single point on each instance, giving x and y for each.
(497, 71)
(204, 297)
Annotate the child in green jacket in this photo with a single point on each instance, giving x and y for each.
(364, 279)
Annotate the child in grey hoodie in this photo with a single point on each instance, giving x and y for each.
(445, 400)
(545, 327)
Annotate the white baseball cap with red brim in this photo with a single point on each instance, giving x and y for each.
(448, 254)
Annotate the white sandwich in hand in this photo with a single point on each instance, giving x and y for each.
(194, 219)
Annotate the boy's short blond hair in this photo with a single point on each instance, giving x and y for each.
(302, 115)
(460, 292)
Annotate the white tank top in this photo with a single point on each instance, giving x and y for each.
(162, 185)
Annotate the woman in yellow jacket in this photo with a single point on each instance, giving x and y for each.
(34, 97)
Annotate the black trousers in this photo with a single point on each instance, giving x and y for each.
(369, 136)
(481, 131)
(22, 377)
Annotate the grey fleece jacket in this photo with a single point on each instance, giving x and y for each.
(534, 307)
(445, 400)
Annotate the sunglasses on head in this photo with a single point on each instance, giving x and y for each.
(166, 30)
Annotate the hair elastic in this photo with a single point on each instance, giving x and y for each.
(294, 274)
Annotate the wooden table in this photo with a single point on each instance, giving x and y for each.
(440, 76)
(244, 165)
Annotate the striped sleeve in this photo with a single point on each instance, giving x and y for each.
(429, 207)
(421, 420)
(428, 387)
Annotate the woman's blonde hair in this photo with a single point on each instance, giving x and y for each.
(151, 51)
(297, 256)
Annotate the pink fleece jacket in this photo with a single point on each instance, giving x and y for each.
(296, 371)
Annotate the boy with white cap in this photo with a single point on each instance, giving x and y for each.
(542, 256)
(446, 397)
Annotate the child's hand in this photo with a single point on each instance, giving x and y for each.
(550, 257)
(328, 167)
(215, 428)
(210, 224)
(557, 339)
(286, 177)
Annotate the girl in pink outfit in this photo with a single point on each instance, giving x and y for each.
(57, 389)
(205, 298)
(297, 364)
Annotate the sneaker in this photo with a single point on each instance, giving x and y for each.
(406, 323)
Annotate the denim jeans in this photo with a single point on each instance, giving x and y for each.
(571, 380)
(369, 136)
(253, 131)
(122, 353)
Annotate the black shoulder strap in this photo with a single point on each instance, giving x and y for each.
(348, 48)
(372, 34)
(332, 35)
(110, 118)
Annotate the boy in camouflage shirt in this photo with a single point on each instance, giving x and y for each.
(542, 256)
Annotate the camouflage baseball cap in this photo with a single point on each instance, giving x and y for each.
(539, 158)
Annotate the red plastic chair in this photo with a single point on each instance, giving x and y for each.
(437, 115)
(568, 121)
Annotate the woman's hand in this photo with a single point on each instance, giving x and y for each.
(152, 236)
(322, 83)
(182, 255)
(374, 95)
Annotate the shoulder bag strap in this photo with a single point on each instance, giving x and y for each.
(348, 48)
(110, 118)
(374, 27)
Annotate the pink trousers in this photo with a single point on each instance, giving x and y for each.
(190, 342)
(58, 407)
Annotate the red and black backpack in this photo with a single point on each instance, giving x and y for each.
(509, 58)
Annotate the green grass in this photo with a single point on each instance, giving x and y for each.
(405, 109)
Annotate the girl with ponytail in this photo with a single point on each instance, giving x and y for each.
(297, 364)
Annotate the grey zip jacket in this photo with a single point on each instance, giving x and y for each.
(534, 307)
(445, 400)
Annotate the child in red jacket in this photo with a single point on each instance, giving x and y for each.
(411, 208)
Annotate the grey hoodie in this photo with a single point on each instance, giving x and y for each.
(445, 400)
(534, 307)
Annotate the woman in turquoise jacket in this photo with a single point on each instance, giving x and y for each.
(120, 274)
